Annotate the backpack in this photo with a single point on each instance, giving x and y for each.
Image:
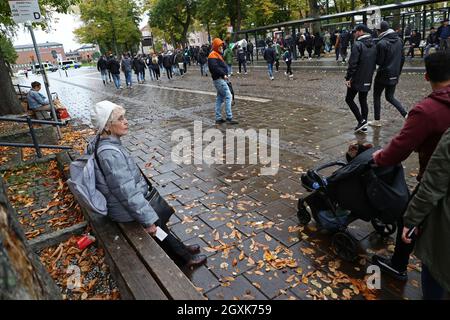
(82, 181)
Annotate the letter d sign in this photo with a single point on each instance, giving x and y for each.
(37, 15)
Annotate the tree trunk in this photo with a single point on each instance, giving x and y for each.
(314, 12)
(22, 276)
(9, 103)
(237, 28)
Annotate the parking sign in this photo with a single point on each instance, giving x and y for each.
(25, 11)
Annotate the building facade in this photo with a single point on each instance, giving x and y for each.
(87, 52)
(26, 55)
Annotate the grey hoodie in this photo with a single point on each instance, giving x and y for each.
(122, 184)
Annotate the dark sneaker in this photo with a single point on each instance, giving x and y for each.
(231, 121)
(361, 126)
(386, 267)
(220, 121)
(196, 260)
(193, 249)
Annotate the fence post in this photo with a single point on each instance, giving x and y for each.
(33, 137)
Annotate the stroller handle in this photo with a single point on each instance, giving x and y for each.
(329, 165)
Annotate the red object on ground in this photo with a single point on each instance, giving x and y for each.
(85, 241)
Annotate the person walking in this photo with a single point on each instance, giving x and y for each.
(301, 45)
(424, 127)
(107, 65)
(390, 59)
(327, 40)
(278, 53)
(361, 67)
(102, 66)
(287, 57)
(269, 56)
(139, 68)
(203, 60)
(337, 48)
(228, 56)
(250, 48)
(309, 44)
(154, 67)
(444, 36)
(114, 68)
(167, 62)
(344, 41)
(318, 44)
(127, 69)
(430, 208)
(242, 59)
(219, 73)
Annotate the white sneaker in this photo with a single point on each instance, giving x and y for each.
(285, 73)
(375, 123)
(272, 78)
(291, 76)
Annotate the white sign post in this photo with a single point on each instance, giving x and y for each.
(27, 11)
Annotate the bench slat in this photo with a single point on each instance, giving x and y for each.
(167, 273)
(138, 282)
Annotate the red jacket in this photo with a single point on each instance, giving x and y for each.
(425, 125)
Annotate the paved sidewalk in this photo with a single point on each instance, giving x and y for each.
(246, 223)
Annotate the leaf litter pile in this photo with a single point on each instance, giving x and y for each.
(44, 204)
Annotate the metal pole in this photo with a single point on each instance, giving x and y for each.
(44, 76)
(33, 137)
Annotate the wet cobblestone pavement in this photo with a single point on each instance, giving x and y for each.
(239, 216)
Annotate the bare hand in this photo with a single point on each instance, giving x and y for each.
(348, 83)
(404, 237)
(151, 230)
(376, 153)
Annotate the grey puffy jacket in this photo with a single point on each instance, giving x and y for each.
(123, 185)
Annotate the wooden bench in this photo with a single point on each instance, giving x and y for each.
(137, 263)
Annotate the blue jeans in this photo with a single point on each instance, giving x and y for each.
(270, 68)
(128, 78)
(204, 69)
(140, 76)
(104, 74)
(230, 69)
(431, 289)
(428, 47)
(223, 94)
(116, 78)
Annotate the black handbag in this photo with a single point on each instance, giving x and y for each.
(158, 203)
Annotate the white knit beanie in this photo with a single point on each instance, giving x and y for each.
(101, 112)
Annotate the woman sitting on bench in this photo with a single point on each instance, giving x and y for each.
(126, 190)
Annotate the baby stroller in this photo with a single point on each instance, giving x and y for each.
(357, 190)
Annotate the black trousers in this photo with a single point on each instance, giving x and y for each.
(171, 245)
(242, 63)
(343, 52)
(402, 251)
(349, 99)
(389, 94)
(301, 49)
(310, 51)
(288, 64)
(169, 72)
(156, 72)
(277, 64)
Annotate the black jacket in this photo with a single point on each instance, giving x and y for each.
(362, 63)
(390, 58)
(218, 68)
(318, 41)
(415, 40)
(203, 56)
(270, 55)
(241, 55)
(114, 66)
(432, 38)
(344, 39)
(102, 64)
(138, 65)
(167, 61)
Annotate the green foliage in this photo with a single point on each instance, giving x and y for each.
(7, 50)
(111, 24)
(173, 16)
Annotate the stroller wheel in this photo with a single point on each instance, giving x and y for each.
(383, 229)
(303, 215)
(345, 246)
